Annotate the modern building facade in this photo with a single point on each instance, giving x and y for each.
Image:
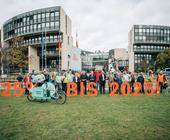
(47, 34)
(118, 57)
(86, 60)
(144, 44)
(94, 60)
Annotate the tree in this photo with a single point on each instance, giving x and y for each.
(163, 59)
(144, 65)
(16, 55)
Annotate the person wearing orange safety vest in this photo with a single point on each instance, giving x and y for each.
(161, 79)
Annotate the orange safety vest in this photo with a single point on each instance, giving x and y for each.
(160, 78)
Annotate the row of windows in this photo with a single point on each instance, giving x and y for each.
(43, 17)
(141, 57)
(50, 50)
(123, 63)
(32, 28)
(150, 48)
(38, 40)
(8, 28)
(152, 38)
(152, 30)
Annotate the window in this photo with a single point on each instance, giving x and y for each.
(140, 38)
(56, 13)
(35, 17)
(39, 26)
(31, 27)
(24, 29)
(136, 37)
(39, 16)
(144, 30)
(47, 14)
(52, 24)
(57, 24)
(43, 15)
(28, 28)
(47, 24)
(136, 30)
(35, 26)
(140, 30)
(51, 38)
(147, 30)
(24, 19)
(144, 38)
(43, 25)
(52, 14)
(154, 30)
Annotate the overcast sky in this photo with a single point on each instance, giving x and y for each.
(100, 24)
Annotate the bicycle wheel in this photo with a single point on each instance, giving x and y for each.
(29, 97)
(61, 97)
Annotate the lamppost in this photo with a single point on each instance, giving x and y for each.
(44, 50)
(42, 53)
(154, 66)
(2, 67)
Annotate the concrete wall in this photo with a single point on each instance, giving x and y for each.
(120, 53)
(131, 61)
(33, 59)
(130, 49)
(65, 27)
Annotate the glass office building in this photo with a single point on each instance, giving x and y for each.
(42, 28)
(145, 42)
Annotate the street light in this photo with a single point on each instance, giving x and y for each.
(45, 51)
(155, 66)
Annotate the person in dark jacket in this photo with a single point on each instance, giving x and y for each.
(118, 80)
(132, 81)
(141, 80)
(76, 79)
(102, 81)
(19, 78)
(47, 76)
(92, 77)
(84, 78)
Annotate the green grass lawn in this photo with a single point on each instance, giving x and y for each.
(101, 117)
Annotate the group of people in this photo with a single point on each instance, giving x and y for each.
(100, 78)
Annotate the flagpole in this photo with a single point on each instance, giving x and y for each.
(45, 51)
(59, 47)
(42, 53)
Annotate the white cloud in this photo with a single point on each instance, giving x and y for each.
(101, 24)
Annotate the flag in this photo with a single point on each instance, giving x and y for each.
(59, 45)
(59, 42)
